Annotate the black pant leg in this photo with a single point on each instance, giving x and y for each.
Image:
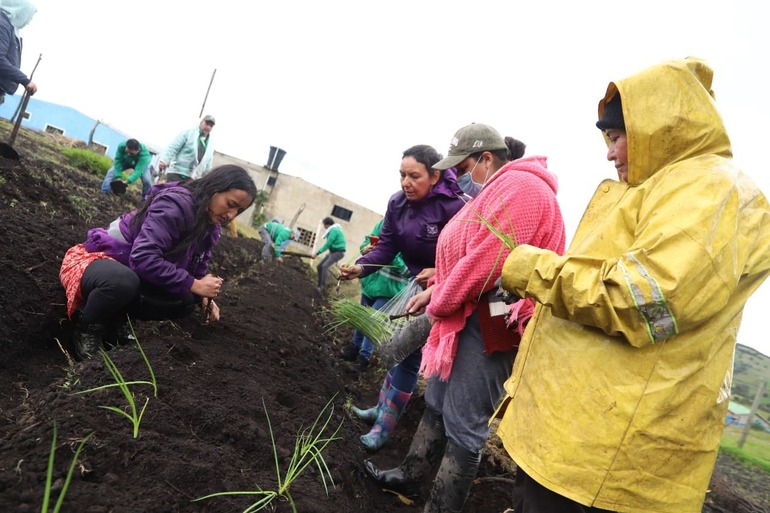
(107, 287)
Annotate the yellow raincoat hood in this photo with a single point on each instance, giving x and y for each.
(619, 391)
(674, 117)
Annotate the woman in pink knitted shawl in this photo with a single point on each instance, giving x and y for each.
(472, 344)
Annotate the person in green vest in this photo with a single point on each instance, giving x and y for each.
(335, 243)
(132, 158)
(275, 237)
(376, 290)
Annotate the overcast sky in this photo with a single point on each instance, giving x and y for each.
(345, 87)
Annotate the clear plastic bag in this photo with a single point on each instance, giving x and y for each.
(396, 306)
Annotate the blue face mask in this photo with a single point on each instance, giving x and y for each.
(468, 186)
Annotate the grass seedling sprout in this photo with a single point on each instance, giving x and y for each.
(49, 474)
(125, 386)
(144, 357)
(309, 446)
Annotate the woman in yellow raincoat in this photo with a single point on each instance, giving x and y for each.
(619, 392)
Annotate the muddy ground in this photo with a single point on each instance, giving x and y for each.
(206, 430)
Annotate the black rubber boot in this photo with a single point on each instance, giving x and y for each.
(350, 353)
(358, 366)
(454, 480)
(119, 333)
(427, 448)
(88, 339)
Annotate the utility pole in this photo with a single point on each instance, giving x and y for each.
(207, 93)
(754, 408)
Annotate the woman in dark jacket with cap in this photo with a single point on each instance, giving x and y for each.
(152, 263)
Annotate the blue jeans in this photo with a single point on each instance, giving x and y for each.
(146, 181)
(362, 343)
(405, 373)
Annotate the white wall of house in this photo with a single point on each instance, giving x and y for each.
(297, 203)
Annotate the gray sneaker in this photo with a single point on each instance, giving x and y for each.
(88, 340)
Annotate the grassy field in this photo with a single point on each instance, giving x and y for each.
(756, 449)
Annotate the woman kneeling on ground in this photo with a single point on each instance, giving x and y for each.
(152, 263)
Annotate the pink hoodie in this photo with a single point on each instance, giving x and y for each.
(519, 200)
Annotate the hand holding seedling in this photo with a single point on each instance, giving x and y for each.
(208, 286)
(425, 275)
(417, 303)
(210, 311)
(508, 297)
(350, 272)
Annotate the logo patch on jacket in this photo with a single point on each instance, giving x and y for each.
(431, 230)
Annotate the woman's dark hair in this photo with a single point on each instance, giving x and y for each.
(425, 155)
(219, 179)
(515, 150)
(328, 221)
(515, 147)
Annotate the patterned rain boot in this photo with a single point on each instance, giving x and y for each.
(369, 415)
(454, 480)
(387, 418)
(427, 448)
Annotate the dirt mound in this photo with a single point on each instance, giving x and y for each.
(206, 431)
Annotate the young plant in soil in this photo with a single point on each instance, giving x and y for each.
(125, 386)
(308, 449)
(67, 480)
(72, 379)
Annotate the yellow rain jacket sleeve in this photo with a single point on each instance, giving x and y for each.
(619, 391)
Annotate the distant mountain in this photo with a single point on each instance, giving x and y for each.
(750, 367)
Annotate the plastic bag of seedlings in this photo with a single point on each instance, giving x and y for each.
(396, 306)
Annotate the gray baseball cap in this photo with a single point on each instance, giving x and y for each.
(471, 139)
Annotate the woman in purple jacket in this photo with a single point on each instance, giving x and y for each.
(151, 263)
(416, 214)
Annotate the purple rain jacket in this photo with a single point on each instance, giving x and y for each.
(412, 227)
(169, 220)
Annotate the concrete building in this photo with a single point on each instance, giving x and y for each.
(299, 204)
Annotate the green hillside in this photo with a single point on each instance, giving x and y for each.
(751, 366)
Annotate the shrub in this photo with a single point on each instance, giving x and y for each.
(258, 218)
(88, 161)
